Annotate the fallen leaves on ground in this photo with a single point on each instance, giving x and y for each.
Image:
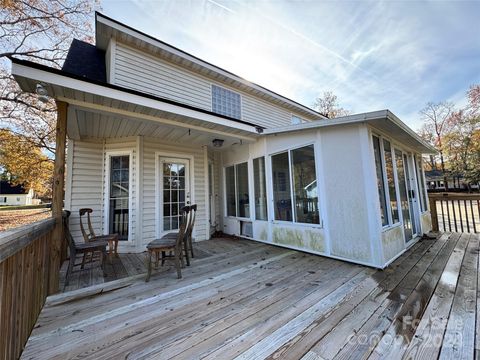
(15, 218)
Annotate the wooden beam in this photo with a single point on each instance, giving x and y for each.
(57, 201)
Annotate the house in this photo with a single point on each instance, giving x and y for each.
(436, 181)
(151, 128)
(16, 195)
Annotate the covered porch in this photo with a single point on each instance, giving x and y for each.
(252, 300)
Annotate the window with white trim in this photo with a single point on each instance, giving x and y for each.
(119, 195)
(236, 186)
(226, 102)
(295, 191)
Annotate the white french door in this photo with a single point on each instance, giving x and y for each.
(174, 184)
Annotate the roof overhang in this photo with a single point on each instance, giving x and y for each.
(115, 100)
(383, 120)
(107, 28)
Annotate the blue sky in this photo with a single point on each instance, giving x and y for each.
(372, 55)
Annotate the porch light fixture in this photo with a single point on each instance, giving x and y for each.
(217, 142)
(41, 92)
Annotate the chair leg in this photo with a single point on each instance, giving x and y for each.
(83, 260)
(191, 245)
(185, 246)
(178, 257)
(71, 263)
(149, 266)
(103, 260)
(163, 258)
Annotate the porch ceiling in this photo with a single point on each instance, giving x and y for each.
(84, 124)
(103, 110)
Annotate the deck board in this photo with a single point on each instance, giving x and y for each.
(247, 300)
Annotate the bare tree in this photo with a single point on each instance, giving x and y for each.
(327, 104)
(41, 31)
(436, 124)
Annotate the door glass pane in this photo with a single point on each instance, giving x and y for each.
(391, 181)
(260, 188)
(305, 185)
(243, 207)
(230, 190)
(174, 190)
(281, 187)
(402, 184)
(380, 181)
(119, 195)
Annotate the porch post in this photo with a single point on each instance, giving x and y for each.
(57, 200)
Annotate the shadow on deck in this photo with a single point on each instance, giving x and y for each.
(253, 301)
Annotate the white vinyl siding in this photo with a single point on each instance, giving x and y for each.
(86, 185)
(138, 70)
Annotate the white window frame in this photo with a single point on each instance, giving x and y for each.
(272, 199)
(159, 182)
(233, 91)
(236, 192)
(106, 208)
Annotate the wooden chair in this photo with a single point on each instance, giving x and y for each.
(81, 248)
(187, 239)
(170, 244)
(112, 239)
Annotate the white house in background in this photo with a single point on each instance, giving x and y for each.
(151, 128)
(16, 195)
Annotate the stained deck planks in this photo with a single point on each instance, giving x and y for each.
(247, 300)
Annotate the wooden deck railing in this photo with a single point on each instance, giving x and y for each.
(25, 265)
(455, 212)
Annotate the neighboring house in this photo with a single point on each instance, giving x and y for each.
(151, 128)
(16, 195)
(436, 181)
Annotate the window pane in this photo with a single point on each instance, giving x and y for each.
(421, 183)
(281, 187)
(305, 185)
(380, 182)
(390, 179)
(402, 185)
(230, 190)
(226, 102)
(119, 195)
(243, 207)
(260, 188)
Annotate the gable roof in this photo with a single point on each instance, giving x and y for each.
(85, 60)
(106, 28)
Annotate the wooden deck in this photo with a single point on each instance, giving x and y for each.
(248, 300)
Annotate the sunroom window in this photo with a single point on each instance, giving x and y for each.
(260, 188)
(226, 102)
(295, 172)
(236, 186)
(380, 180)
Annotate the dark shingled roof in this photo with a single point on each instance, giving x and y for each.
(8, 189)
(85, 60)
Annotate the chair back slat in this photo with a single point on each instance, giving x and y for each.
(87, 236)
(182, 228)
(68, 235)
(193, 212)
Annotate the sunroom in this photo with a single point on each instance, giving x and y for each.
(351, 188)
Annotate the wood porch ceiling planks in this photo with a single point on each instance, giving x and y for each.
(249, 300)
